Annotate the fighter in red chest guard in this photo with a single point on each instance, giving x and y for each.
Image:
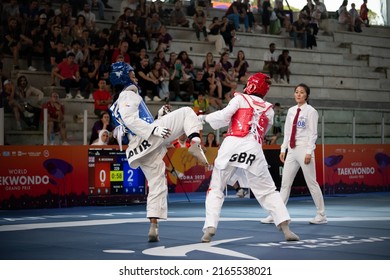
(249, 118)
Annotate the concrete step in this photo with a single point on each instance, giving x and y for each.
(373, 40)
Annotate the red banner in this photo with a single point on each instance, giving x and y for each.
(56, 176)
(356, 168)
(35, 176)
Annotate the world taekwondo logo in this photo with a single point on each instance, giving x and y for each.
(183, 250)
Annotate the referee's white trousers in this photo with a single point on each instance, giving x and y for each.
(294, 160)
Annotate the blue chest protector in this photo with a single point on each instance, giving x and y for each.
(120, 76)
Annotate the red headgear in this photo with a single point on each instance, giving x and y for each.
(258, 84)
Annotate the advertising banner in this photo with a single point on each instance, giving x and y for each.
(60, 176)
(42, 176)
(356, 168)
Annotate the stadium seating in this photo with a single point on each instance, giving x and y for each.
(348, 74)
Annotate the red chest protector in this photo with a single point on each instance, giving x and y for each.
(241, 125)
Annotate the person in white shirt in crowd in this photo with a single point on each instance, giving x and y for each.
(271, 62)
(300, 136)
(104, 136)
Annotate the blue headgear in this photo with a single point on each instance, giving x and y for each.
(120, 73)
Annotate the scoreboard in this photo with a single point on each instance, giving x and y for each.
(110, 174)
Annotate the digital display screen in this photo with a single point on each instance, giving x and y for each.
(110, 174)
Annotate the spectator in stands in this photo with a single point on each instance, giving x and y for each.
(154, 8)
(215, 36)
(85, 43)
(356, 19)
(162, 75)
(307, 11)
(299, 32)
(32, 97)
(139, 20)
(14, 103)
(211, 141)
(100, 42)
(237, 12)
(213, 86)
(178, 17)
(284, 61)
(51, 41)
(241, 67)
(29, 11)
(271, 62)
(95, 4)
(121, 50)
(228, 33)
(57, 56)
(128, 25)
(104, 123)
(164, 40)
(56, 119)
(199, 23)
(37, 31)
(253, 26)
(136, 44)
(97, 71)
(187, 64)
(16, 42)
(344, 17)
(102, 98)
(75, 48)
(285, 16)
(364, 13)
(117, 34)
(318, 16)
(311, 17)
(266, 15)
(180, 84)
(199, 85)
(204, 5)
(147, 83)
(142, 54)
(201, 104)
(320, 11)
(208, 61)
(69, 75)
(89, 16)
(229, 86)
(66, 38)
(171, 61)
(65, 14)
(153, 28)
(46, 8)
(160, 56)
(103, 138)
(78, 28)
(277, 19)
(10, 9)
(226, 64)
